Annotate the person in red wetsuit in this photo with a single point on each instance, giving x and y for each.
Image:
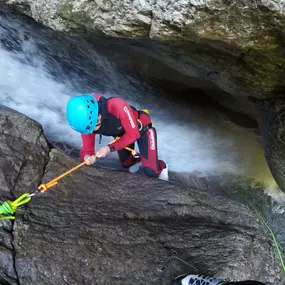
(93, 114)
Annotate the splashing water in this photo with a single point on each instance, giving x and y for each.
(40, 72)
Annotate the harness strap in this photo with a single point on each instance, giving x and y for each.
(134, 153)
(143, 129)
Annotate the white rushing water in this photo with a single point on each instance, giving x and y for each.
(190, 139)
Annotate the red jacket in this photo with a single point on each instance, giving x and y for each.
(118, 119)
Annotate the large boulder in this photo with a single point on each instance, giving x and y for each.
(118, 228)
(237, 45)
(23, 151)
(108, 227)
(271, 124)
(23, 155)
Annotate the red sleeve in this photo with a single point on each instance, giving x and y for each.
(88, 141)
(88, 145)
(125, 114)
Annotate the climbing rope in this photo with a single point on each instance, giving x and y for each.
(134, 153)
(8, 208)
(43, 187)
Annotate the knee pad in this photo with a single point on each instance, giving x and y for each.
(149, 172)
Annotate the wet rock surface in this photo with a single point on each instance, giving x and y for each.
(107, 227)
(237, 45)
(24, 153)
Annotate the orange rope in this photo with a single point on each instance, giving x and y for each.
(44, 187)
(131, 150)
(127, 148)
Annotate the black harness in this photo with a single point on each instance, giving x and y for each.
(143, 129)
(111, 125)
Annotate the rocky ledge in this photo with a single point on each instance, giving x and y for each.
(108, 227)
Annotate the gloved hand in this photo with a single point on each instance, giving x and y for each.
(89, 159)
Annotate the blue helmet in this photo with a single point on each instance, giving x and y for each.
(82, 113)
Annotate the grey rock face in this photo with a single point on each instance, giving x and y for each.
(236, 45)
(158, 19)
(105, 227)
(23, 150)
(24, 153)
(271, 124)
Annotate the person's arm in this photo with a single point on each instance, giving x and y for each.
(124, 113)
(88, 141)
(88, 145)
